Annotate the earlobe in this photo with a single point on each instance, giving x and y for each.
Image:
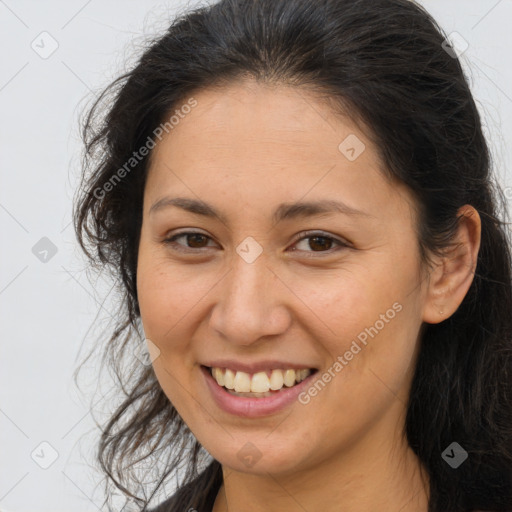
(454, 271)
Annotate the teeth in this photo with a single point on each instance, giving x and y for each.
(289, 378)
(259, 382)
(276, 380)
(229, 379)
(302, 374)
(242, 382)
(218, 376)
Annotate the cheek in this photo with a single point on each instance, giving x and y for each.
(345, 302)
(372, 319)
(157, 300)
(162, 304)
(167, 294)
(166, 297)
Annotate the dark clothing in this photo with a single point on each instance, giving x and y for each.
(196, 496)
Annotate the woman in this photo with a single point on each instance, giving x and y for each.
(296, 197)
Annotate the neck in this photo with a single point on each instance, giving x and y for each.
(364, 477)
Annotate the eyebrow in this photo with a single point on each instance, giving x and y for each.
(285, 211)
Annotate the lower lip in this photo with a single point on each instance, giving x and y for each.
(253, 407)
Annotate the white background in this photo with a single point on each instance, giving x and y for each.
(47, 308)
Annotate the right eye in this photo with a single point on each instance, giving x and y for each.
(193, 237)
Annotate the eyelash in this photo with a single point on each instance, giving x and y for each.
(306, 235)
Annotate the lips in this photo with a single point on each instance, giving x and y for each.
(253, 405)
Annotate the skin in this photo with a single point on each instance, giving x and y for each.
(245, 149)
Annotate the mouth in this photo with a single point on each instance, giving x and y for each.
(261, 384)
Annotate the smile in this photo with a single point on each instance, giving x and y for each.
(258, 384)
(288, 384)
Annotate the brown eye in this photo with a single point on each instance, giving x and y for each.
(319, 242)
(315, 242)
(193, 241)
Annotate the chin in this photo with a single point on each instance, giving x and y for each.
(260, 455)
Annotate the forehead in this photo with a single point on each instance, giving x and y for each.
(252, 111)
(277, 125)
(258, 141)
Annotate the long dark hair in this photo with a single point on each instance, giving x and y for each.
(383, 62)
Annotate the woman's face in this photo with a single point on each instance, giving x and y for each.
(251, 290)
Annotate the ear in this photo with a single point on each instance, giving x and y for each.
(453, 272)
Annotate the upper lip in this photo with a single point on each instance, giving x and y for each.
(257, 366)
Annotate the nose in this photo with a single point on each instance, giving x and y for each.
(252, 303)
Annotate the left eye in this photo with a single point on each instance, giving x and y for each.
(319, 242)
